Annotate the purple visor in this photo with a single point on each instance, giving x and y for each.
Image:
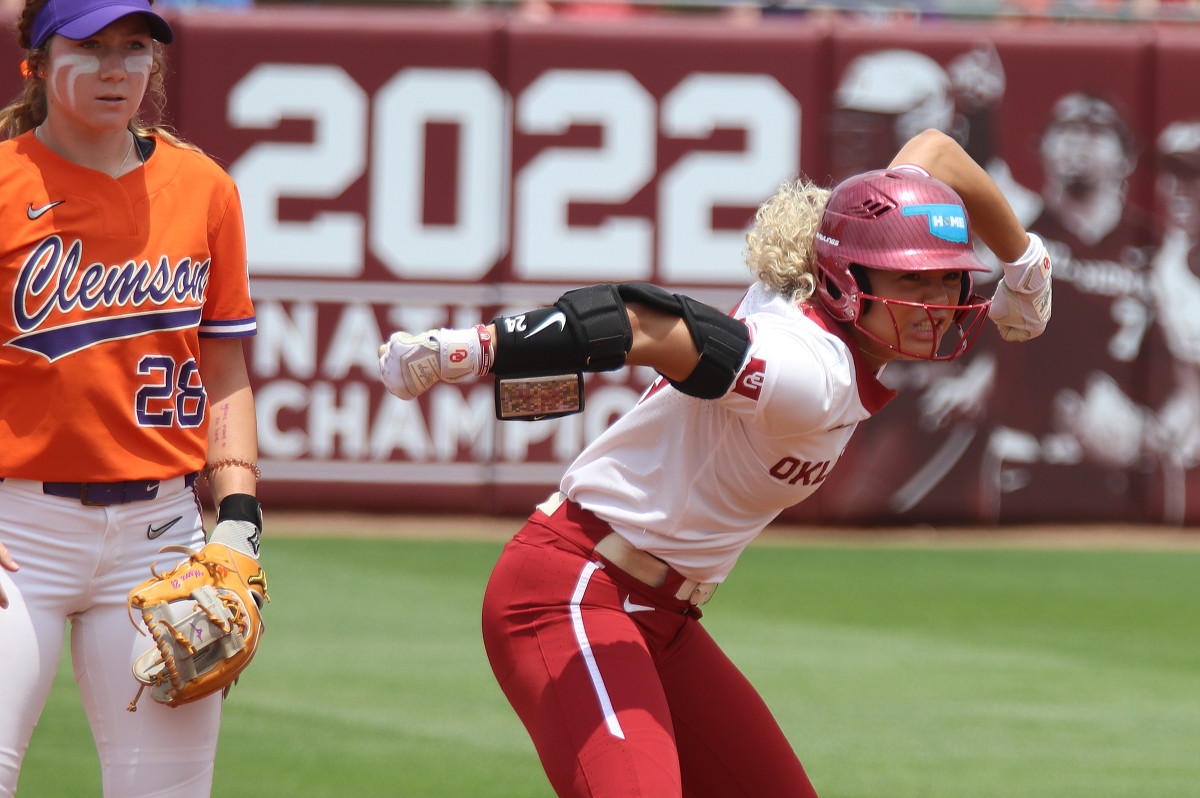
(79, 19)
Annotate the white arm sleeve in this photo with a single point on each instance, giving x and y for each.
(1021, 304)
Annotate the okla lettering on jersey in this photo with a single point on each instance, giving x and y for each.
(51, 286)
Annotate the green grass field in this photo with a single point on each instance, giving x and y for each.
(897, 671)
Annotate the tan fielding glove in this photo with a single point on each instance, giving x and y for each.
(203, 616)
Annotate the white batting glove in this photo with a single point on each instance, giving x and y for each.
(409, 365)
(1021, 304)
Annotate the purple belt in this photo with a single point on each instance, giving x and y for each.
(99, 494)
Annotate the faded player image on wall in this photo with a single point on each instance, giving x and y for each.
(882, 97)
(1071, 423)
(885, 97)
(1174, 429)
(1066, 426)
(1076, 419)
(1070, 416)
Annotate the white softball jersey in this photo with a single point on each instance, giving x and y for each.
(694, 481)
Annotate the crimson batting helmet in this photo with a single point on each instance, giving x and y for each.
(899, 221)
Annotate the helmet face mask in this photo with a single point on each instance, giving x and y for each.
(902, 222)
(967, 321)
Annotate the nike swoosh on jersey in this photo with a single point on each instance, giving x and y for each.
(153, 531)
(36, 213)
(631, 607)
(558, 318)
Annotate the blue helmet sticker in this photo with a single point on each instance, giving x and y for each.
(946, 220)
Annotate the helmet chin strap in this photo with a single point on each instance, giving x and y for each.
(967, 320)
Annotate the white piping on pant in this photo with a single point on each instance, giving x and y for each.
(589, 659)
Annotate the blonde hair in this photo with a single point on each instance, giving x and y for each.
(28, 110)
(779, 247)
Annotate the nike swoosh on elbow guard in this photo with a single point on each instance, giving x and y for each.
(558, 318)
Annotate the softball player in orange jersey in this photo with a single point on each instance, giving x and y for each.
(123, 302)
(591, 619)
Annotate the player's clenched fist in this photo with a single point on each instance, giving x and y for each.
(1021, 304)
(410, 364)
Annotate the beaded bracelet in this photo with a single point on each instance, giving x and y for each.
(230, 461)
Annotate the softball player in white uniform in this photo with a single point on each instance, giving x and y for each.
(591, 616)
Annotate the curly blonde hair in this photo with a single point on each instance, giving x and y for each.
(779, 247)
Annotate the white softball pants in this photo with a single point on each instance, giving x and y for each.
(77, 565)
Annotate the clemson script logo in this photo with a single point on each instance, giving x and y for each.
(62, 304)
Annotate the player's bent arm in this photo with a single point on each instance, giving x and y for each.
(232, 468)
(992, 218)
(597, 328)
(1021, 305)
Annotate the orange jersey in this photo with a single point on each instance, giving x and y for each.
(107, 286)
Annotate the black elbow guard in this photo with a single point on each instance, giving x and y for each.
(587, 329)
(721, 340)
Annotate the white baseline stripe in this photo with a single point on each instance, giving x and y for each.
(585, 647)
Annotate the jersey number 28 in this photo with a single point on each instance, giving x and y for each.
(171, 396)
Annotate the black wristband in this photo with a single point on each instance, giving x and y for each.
(240, 507)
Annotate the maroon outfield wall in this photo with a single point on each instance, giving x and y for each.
(412, 169)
